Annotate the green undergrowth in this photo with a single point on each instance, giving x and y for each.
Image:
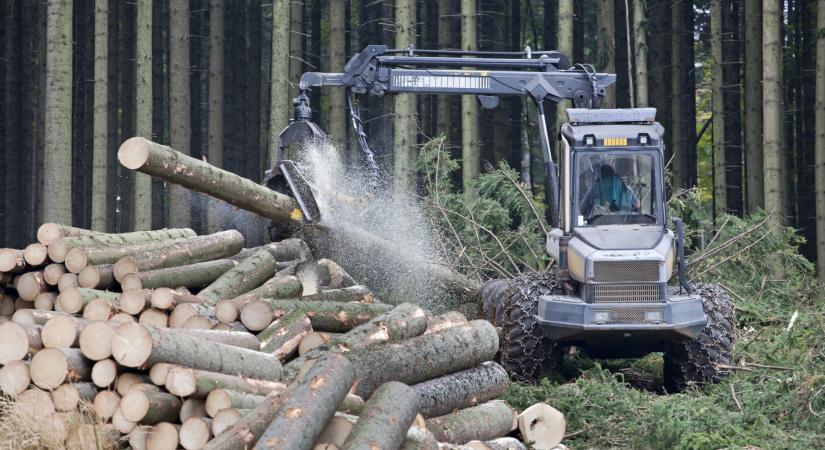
(774, 398)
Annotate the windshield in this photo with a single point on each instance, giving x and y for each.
(616, 189)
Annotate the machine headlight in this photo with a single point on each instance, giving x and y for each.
(653, 316)
(601, 317)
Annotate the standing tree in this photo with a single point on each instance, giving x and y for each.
(337, 125)
(57, 162)
(772, 107)
(445, 41)
(565, 41)
(100, 124)
(683, 106)
(606, 46)
(180, 212)
(820, 140)
(718, 108)
(296, 44)
(215, 119)
(279, 94)
(404, 147)
(143, 113)
(753, 105)
(640, 51)
(470, 157)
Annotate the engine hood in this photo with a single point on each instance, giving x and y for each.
(621, 237)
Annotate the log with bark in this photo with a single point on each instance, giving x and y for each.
(348, 294)
(240, 339)
(52, 366)
(166, 298)
(330, 316)
(96, 277)
(79, 257)
(277, 287)
(196, 276)
(48, 232)
(134, 346)
(311, 404)
(418, 438)
(445, 320)
(36, 255)
(334, 435)
(250, 273)
(246, 431)
(30, 284)
(461, 389)
(58, 248)
(12, 261)
(175, 167)
(67, 396)
(483, 422)
(195, 432)
(186, 382)
(190, 251)
(148, 406)
(281, 338)
(385, 420)
(74, 299)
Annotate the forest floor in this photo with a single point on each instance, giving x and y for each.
(774, 399)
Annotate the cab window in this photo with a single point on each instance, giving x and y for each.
(615, 189)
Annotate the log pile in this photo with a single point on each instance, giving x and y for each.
(195, 342)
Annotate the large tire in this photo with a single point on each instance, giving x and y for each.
(525, 351)
(698, 361)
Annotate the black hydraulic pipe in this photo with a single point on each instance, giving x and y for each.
(551, 183)
(680, 253)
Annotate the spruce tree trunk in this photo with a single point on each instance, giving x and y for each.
(718, 107)
(460, 390)
(296, 44)
(78, 258)
(57, 162)
(565, 44)
(143, 113)
(186, 382)
(282, 337)
(445, 41)
(330, 316)
(229, 310)
(246, 276)
(470, 136)
(677, 87)
(753, 106)
(820, 140)
(100, 124)
(483, 422)
(180, 200)
(279, 103)
(195, 275)
(606, 46)
(404, 147)
(246, 431)
(59, 248)
(773, 112)
(640, 52)
(386, 418)
(215, 119)
(337, 119)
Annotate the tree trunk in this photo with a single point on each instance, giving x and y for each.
(349, 294)
(74, 299)
(483, 422)
(51, 367)
(640, 52)
(96, 277)
(606, 46)
(174, 167)
(142, 215)
(445, 41)
(310, 405)
(330, 316)
(219, 399)
(135, 346)
(198, 249)
(446, 320)
(386, 418)
(49, 231)
(60, 332)
(424, 357)
(405, 126)
(732, 36)
(57, 163)
(246, 431)
(337, 119)
(460, 390)
(470, 147)
(246, 276)
(12, 261)
(296, 45)
(279, 102)
(216, 109)
(753, 105)
(36, 255)
(30, 285)
(180, 199)
(79, 257)
(565, 44)
(282, 337)
(148, 407)
(59, 248)
(18, 340)
(195, 275)
(720, 185)
(195, 432)
(820, 140)
(53, 272)
(772, 108)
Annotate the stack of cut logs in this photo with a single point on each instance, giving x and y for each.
(179, 340)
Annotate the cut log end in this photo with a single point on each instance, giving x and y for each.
(30, 284)
(76, 260)
(97, 310)
(131, 345)
(49, 368)
(104, 373)
(36, 254)
(542, 425)
(194, 433)
(224, 419)
(257, 315)
(14, 378)
(123, 267)
(59, 332)
(164, 436)
(131, 281)
(133, 153)
(132, 301)
(134, 405)
(96, 341)
(181, 381)
(192, 407)
(105, 404)
(52, 273)
(15, 342)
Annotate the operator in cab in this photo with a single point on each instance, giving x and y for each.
(609, 194)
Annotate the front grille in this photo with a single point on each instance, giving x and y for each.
(626, 271)
(626, 293)
(628, 314)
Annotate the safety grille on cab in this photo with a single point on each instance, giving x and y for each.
(626, 271)
(619, 315)
(626, 293)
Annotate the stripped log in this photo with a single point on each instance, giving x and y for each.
(49, 231)
(67, 396)
(51, 367)
(60, 331)
(190, 251)
(462, 389)
(195, 275)
(73, 299)
(174, 167)
(186, 382)
(136, 346)
(348, 294)
(386, 418)
(247, 275)
(52, 273)
(281, 338)
(310, 406)
(79, 257)
(228, 310)
(330, 316)
(195, 432)
(30, 284)
(96, 340)
(58, 248)
(96, 277)
(14, 378)
(482, 422)
(246, 431)
(12, 261)
(192, 407)
(148, 407)
(17, 340)
(36, 255)
(424, 357)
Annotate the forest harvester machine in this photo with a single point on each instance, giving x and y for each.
(608, 289)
